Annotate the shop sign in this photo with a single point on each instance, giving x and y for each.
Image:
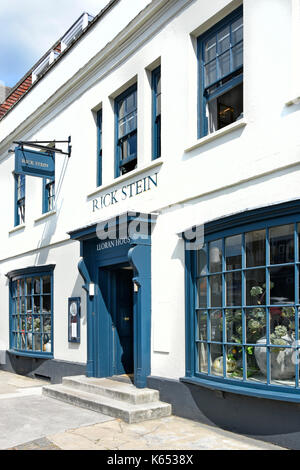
(33, 163)
(125, 192)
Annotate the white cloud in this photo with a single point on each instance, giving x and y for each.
(29, 29)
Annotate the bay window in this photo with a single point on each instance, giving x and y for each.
(243, 305)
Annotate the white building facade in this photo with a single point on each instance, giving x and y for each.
(166, 245)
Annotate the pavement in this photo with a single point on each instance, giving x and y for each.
(31, 421)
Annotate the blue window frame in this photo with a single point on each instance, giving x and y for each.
(31, 311)
(48, 193)
(156, 110)
(243, 303)
(220, 56)
(126, 131)
(19, 199)
(99, 148)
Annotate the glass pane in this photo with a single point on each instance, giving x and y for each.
(282, 325)
(216, 290)
(46, 343)
(223, 40)
(234, 362)
(215, 256)
(121, 109)
(36, 304)
(224, 64)
(282, 285)
(46, 304)
(237, 56)
(282, 244)
(234, 326)
(36, 342)
(216, 359)
(202, 357)
(36, 324)
(233, 288)
(210, 73)
(158, 105)
(132, 144)
(46, 323)
(202, 325)
(237, 30)
(255, 248)
(202, 292)
(201, 262)
(29, 305)
(282, 366)
(256, 287)
(233, 252)
(216, 325)
(46, 285)
(28, 286)
(36, 285)
(256, 364)
(23, 305)
(210, 49)
(256, 321)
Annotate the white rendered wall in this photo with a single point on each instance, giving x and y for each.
(253, 165)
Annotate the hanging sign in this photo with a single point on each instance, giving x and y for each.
(33, 163)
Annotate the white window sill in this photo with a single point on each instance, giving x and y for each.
(45, 216)
(126, 177)
(17, 228)
(215, 135)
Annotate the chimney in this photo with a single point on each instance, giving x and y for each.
(4, 92)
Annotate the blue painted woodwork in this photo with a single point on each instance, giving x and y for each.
(17, 292)
(226, 77)
(100, 260)
(126, 131)
(33, 163)
(156, 113)
(257, 219)
(99, 148)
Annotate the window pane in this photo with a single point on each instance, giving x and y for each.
(216, 325)
(202, 292)
(233, 288)
(256, 248)
(223, 40)
(216, 359)
(216, 290)
(282, 366)
(234, 362)
(256, 321)
(202, 357)
(224, 64)
(201, 262)
(36, 285)
(256, 357)
(237, 30)
(210, 73)
(237, 56)
(46, 285)
(210, 49)
(233, 252)
(282, 244)
(256, 287)
(230, 106)
(215, 256)
(46, 323)
(234, 327)
(202, 325)
(36, 304)
(282, 285)
(282, 325)
(46, 304)
(28, 286)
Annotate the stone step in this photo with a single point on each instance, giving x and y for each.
(121, 391)
(128, 412)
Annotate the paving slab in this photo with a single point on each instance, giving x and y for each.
(172, 433)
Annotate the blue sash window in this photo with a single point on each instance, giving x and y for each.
(126, 131)
(19, 199)
(220, 55)
(156, 118)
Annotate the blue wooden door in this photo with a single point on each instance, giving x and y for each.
(123, 322)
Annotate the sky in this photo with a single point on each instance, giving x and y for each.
(29, 28)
